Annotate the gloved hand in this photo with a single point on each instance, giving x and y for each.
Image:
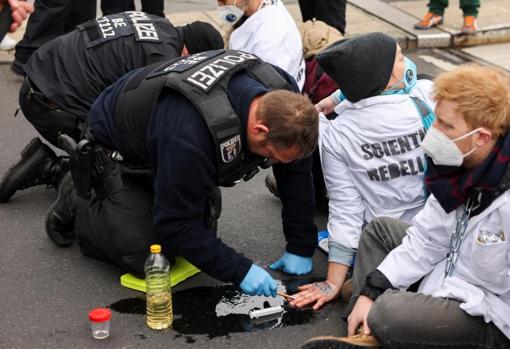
(258, 282)
(293, 264)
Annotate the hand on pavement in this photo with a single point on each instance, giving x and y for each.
(318, 293)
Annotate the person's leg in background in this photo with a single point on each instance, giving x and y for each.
(307, 8)
(38, 163)
(109, 7)
(81, 11)
(50, 20)
(332, 12)
(154, 7)
(414, 320)
(470, 13)
(434, 15)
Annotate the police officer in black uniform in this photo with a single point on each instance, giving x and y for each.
(206, 120)
(66, 75)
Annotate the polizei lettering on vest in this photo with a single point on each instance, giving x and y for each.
(206, 76)
(145, 29)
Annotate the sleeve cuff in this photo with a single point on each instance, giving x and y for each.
(340, 253)
(375, 285)
(335, 96)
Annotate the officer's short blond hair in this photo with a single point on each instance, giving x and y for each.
(482, 94)
(291, 119)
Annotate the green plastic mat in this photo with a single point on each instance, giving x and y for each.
(180, 271)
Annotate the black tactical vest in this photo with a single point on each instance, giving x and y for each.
(139, 24)
(74, 69)
(203, 78)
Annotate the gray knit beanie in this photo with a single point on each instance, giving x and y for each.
(361, 66)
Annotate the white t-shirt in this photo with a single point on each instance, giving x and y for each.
(373, 164)
(271, 34)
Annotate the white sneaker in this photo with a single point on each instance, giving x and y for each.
(7, 43)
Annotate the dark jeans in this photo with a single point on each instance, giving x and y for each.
(469, 7)
(47, 119)
(51, 19)
(332, 12)
(403, 319)
(154, 7)
(117, 227)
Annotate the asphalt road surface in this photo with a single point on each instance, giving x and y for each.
(47, 291)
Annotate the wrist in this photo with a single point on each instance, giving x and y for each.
(334, 287)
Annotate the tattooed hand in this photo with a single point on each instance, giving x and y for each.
(318, 293)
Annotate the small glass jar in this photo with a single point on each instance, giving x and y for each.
(100, 322)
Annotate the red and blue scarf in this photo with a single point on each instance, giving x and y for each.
(452, 187)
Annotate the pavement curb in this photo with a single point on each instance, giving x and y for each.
(440, 37)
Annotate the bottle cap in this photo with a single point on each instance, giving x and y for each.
(155, 248)
(100, 315)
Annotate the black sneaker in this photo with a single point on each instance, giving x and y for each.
(271, 184)
(17, 68)
(61, 214)
(38, 165)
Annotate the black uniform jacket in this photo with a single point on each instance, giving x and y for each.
(73, 69)
(183, 160)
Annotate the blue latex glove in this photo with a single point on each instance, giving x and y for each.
(293, 264)
(258, 282)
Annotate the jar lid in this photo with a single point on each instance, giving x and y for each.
(100, 315)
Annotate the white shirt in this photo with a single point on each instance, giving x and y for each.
(271, 34)
(373, 164)
(481, 278)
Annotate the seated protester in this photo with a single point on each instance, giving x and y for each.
(457, 247)
(266, 29)
(66, 75)
(371, 157)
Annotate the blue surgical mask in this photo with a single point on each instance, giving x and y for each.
(409, 80)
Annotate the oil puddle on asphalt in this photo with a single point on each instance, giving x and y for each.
(221, 310)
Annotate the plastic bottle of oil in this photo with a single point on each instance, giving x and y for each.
(159, 295)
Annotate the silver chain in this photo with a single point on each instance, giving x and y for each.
(459, 232)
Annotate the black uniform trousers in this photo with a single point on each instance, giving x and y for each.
(45, 116)
(51, 19)
(332, 12)
(153, 7)
(116, 226)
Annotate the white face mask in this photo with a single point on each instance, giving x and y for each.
(443, 150)
(230, 13)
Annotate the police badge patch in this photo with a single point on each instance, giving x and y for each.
(230, 149)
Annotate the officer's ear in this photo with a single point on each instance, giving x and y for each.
(259, 132)
(260, 128)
